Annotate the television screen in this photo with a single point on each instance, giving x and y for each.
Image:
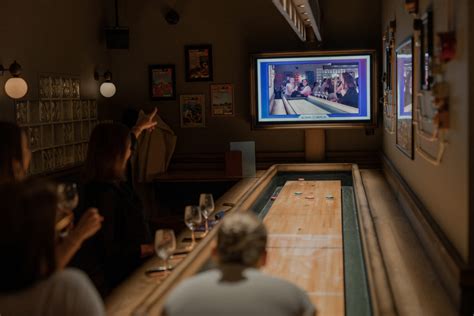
(332, 89)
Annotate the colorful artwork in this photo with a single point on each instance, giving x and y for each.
(198, 63)
(192, 110)
(405, 97)
(222, 100)
(162, 82)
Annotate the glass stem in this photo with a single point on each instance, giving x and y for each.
(207, 226)
(166, 263)
(193, 239)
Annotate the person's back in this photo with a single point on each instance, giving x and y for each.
(236, 290)
(237, 287)
(67, 292)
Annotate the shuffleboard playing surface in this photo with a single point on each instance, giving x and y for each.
(305, 241)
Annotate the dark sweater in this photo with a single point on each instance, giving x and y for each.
(351, 98)
(114, 251)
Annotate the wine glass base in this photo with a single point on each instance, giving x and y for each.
(159, 269)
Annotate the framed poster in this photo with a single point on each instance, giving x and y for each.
(426, 51)
(192, 110)
(404, 62)
(198, 62)
(222, 99)
(162, 82)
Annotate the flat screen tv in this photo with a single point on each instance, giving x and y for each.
(314, 89)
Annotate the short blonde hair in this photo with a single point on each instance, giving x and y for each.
(242, 238)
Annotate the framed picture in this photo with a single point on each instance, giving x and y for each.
(222, 99)
(162, 82)
(198, 63)
(404, 62)
(426, 51)
(192, 110)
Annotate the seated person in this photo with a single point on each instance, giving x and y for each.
(237, 287)
(31, 283)
(306, 90)
(15, 158)
(350, 96)
(290, 88)
(118, 248)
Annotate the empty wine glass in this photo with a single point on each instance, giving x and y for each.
(68, 196)
(206, 203)
(192, 219)
(165, 245)
(68, 199)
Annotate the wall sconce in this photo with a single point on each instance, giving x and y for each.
(15, 87)
(107, 88)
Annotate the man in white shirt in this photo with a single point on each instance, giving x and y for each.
(236, 286)
(290, 87)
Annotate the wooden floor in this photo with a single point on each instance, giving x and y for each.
(305, 241)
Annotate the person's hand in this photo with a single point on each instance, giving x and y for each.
(146, 122)
(88, 225)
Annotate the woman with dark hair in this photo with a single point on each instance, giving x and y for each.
(15, 158)
(350, 96)
(15, 154)
(31, 284)
(118, 248)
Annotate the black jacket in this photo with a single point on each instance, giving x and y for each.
(114, 251)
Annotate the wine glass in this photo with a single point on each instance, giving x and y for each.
(165, 245)
(68, 196)
(206, 203)
(68, 199)
(192, 219)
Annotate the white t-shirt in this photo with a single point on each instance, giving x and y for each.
(253, 293)
(67, 292)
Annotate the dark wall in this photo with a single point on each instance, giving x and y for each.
(51, 36)
(235, 29)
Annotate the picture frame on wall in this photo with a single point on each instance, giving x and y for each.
(198, 62)
(222, 99)
(426, 51)
(192, 110)
(405, 97)
(162, 82)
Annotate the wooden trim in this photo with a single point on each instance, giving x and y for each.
(264, 160)
(448, 263)
(379, 286)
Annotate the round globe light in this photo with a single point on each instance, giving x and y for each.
(107, 89)
(16, 87)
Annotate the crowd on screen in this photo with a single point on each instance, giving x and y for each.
(341, 88)
(44, 272)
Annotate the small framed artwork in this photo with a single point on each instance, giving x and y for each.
(192, 110)
(162, 82)
(404, 61)
(198, 63)
(426, 51)
(222, 99)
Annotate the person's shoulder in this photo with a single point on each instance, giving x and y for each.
(273, 281)
(195, 282)
(71, 277)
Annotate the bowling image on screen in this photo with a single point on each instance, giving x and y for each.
(328, 88)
